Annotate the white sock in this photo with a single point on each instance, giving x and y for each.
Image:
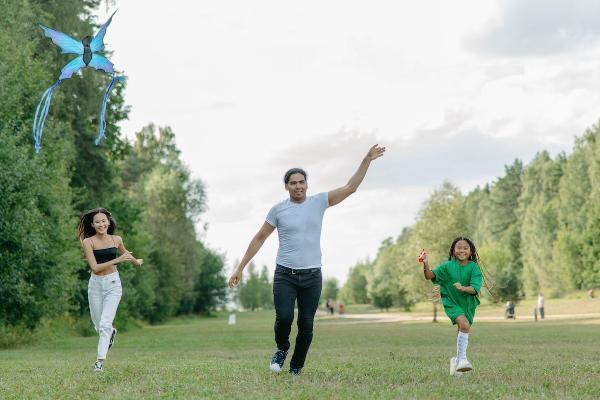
(462, 341)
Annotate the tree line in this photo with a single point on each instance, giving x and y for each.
(143, 182)
(537, 229)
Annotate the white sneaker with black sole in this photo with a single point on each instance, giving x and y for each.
(464, 365)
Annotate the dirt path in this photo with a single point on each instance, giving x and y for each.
(377, 318)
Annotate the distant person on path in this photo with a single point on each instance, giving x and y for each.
(540, 305)
(329, 305)
(100, 246)
(298, 271)
(592, 293)
(460, 281)
(510, 310)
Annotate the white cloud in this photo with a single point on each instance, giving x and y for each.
(526, 28)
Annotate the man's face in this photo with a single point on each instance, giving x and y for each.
(297, 186)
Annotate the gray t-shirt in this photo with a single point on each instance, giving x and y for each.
(299, 230)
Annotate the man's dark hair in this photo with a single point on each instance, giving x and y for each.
(286, 177)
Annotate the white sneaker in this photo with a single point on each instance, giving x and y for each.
(98, 367)
(278, 360)
(464, 365)
(453, 371)
(275, 368)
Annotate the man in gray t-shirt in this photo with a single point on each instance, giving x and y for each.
(298, 272)
(299, 229)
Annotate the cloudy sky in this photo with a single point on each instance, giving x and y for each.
(454, 90)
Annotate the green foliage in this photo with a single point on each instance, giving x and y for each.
(255, 290)
(536, 229)
(182, 275)
(382, 294)
(37, 248)
(211, 284)
(331, 288)
(354, 290)
(144, 184)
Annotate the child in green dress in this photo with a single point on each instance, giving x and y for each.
(460, 281)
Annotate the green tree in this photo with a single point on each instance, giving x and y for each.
(354, 290)
(250, 289)
(38, 251)
(266, 289)
(538, 211)
(330, 289)
(211, 285)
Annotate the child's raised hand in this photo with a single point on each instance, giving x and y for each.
(423, 256)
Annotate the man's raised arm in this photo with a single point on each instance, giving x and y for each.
(338, 195)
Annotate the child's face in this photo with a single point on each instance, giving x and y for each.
(462, 250)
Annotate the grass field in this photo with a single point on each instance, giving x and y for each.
(206, 358)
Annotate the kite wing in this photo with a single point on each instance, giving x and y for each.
(97, 43)
(72, 66)
(102, 63)
(67, 44)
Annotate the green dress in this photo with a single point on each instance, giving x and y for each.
(458, 303)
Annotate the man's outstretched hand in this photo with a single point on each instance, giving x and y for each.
(375, 152)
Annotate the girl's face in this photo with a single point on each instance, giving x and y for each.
(101, 223)
(462, 250)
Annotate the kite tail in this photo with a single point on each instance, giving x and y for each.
(102, 120)
(40, 115)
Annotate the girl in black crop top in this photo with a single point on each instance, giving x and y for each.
(96, 228)
(101, 248)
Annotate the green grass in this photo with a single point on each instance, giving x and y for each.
(206, 358)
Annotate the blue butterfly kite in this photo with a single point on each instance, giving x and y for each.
(87, 56)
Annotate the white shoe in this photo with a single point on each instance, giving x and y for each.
(464, 365)
(278, 360)
(275, 368)
(453, 371)
(98, 367)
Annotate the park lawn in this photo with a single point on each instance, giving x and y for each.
(206, 358)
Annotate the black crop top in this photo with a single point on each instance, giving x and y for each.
(106, 254)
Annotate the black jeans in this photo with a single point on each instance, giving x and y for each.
(305, 286)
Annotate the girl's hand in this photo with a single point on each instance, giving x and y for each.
(138, 261)
(125, 257)
(423, 257)
(458, 286)
(235, 278)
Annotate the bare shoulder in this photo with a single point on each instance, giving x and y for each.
(118, 239)
(87, 244)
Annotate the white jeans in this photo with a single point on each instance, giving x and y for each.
(104, 294)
